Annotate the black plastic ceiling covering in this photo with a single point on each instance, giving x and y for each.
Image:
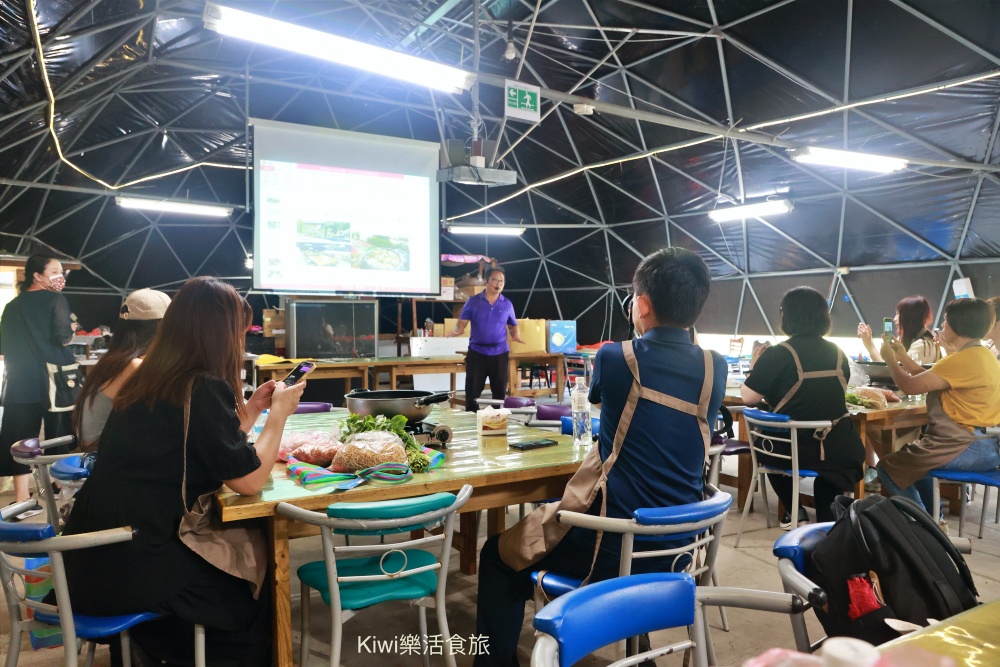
(142, 90)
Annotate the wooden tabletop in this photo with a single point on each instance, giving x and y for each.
(482, 461)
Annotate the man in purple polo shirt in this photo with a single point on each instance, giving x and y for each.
(491, 315)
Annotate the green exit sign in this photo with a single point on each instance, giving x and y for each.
(522, 101)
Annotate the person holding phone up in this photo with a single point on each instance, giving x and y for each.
(912, 321)
(963, 397)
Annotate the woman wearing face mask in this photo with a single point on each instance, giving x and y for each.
(36, 322)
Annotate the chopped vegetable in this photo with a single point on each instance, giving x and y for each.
(854, 399)
(417, 460)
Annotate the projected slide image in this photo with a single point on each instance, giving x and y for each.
(324, 243)
(381, 253)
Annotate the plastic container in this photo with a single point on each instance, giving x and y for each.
(579, 400)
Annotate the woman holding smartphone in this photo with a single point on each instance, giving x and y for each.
(913, 320)
(178, 430)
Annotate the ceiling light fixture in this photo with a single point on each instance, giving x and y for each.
(492, 230)
(164, 206)
(325, 46)
(760, 209)
(848, 160)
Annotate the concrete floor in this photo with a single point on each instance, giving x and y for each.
(751, 566)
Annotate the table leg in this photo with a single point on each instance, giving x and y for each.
(392, 377)
(467, 548)
(560, 379)
(859, 488)
(281, 591)
(454, 388)
(496, 521)
(744, 476)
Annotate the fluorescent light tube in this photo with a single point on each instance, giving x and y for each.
(848, 160)
(769, 207)
(174, 207)
(494, 230)
(325, 46)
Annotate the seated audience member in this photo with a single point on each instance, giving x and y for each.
(913, 320)
(137, 323)
(805, 377)
(182, 416)
(963, 396)
(992, 341)
(657, 460)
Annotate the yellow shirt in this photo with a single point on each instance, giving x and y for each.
(974, 397)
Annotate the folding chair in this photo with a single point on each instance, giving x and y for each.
(31, 539)
(380, 572)
(306, 407)
(763, 430)
(548, 415)
(701, 522)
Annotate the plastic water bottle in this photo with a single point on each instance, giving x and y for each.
(258, 426)
(581, 413)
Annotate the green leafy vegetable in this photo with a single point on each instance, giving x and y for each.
(415, 456)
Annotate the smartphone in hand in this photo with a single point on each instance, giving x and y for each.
(887, 328)
(299, 372)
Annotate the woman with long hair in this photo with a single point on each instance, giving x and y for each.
(138, 320)
(36, 330)
(182, 417)
(913, 320)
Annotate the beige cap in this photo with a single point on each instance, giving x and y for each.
(145, 304)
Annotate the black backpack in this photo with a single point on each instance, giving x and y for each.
(918, 573)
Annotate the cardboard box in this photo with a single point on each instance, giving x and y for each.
(439, 330)
(562, 336)
(447, 281)
(533, 333)
(274, 322)
(451, 322)
(467, 292)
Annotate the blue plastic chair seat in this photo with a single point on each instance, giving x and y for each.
(93, 627)
(797, 544)
(627, 607)
(69, 469)
(802, 473)
(361, 594)
(555, 585)
(987, 477)
(25, 532)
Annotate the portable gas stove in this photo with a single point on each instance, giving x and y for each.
(432, 435)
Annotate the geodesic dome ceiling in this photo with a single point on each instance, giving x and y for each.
(702, 97)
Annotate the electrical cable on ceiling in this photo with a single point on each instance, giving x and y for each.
(33, 20)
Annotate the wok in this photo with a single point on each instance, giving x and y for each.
(412, 404)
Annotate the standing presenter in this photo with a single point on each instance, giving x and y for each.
(491, 314)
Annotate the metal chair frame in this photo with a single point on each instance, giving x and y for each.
(757, 442)
(339, 616)
(30, 452)
(12, 580)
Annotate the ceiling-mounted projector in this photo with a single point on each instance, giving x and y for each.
(457, 167)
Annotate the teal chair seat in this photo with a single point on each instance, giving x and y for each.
(412, 566)
(361, 594)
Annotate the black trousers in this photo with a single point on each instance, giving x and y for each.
(824, 494)
(503, 592)
(25, 421)
(477, 368)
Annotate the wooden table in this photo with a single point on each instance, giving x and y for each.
(397, 366)
(870, 422)
(499, 476)
(969, 638)
(540, 359)
(331, 369)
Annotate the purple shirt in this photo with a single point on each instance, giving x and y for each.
(489, 323)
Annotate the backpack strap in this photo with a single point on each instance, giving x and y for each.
(910, 509)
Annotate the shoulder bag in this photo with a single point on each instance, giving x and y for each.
(65, 380)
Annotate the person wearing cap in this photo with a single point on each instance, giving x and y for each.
(138, 320)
